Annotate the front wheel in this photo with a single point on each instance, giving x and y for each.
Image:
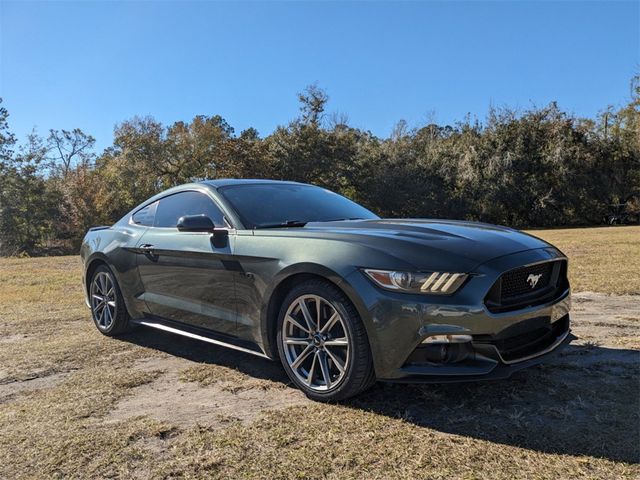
(323, 344)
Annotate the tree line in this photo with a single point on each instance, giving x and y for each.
(539, 168)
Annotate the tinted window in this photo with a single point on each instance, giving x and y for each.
(260, 205)
(171, 208)
(145, 215)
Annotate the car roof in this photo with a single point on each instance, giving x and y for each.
(225, 182)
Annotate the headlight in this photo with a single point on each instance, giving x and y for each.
(433, 283)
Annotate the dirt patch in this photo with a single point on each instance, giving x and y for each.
(174, 400)
(607, 305)
(13, 389)
(13, 338)
(612, 320)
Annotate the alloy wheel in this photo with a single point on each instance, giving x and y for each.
(103, 300)
(315, 342)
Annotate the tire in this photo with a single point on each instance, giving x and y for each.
(110, 316)
(337, 348)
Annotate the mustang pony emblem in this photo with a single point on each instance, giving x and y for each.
(533, 279)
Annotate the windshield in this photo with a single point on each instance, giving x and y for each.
(284, 204)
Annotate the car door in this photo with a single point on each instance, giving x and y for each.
(186, 277)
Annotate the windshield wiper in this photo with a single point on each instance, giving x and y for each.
(288, 223)
(341, 219)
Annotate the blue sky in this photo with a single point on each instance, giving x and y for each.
(91, 65)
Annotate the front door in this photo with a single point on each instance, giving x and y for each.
(186, 277)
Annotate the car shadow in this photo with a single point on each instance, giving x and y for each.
(583, 402)
(203, 352)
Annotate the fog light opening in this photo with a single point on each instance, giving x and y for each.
(442, 353)
(445, 349)
(446, 339)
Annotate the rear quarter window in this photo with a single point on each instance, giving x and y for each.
(146, 215)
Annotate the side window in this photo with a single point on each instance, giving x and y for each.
(171, 208)
(145, 215)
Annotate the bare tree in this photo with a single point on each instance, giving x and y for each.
(69, 147)
(338, 119)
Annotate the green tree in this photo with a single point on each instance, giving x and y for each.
(29, 209)
(312, 103)
(541, 167)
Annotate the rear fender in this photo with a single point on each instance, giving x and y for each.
(113, 246)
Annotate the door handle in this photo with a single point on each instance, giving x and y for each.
(146, 248)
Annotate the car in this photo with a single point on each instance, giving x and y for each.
(343, 298)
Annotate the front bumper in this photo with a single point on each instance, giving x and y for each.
(485, 363)
(398, 323)
(497, 370)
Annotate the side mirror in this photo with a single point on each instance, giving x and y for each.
(195, 223)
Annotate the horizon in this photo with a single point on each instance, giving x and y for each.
(379, 63)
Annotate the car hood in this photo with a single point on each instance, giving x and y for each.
(430, 243)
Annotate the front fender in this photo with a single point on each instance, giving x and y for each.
(277, 289)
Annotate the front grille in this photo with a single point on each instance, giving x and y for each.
(526, 280)
(527, 286)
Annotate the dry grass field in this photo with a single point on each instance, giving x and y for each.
(74, 403)
(600, 259)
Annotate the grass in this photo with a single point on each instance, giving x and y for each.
(60, 382)
(605, 259)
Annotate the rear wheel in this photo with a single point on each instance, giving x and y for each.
(107, 305)
(322, 342)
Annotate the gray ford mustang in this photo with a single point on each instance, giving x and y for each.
(342, 297)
